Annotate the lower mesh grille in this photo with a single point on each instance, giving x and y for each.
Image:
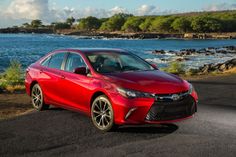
(170, 110)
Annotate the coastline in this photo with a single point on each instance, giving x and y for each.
(121, 34)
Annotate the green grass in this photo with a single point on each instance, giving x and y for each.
(12, 78)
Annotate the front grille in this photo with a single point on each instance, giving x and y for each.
(168, 109)
(169, 97)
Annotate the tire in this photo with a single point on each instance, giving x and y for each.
(102, 114)
(37, 98)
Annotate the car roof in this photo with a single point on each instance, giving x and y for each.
(94, 50)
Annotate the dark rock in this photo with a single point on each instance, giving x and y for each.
(158, 52)
(220, 67)
(230, 47)
(182, 59)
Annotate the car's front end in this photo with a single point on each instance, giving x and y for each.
(136, 107)
(140, 93)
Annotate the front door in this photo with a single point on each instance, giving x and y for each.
(75, 87)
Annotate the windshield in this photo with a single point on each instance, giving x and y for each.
(111, 62)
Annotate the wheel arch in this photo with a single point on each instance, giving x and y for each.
(95, 95)
(32, 84)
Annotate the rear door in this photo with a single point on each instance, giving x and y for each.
(50, 76)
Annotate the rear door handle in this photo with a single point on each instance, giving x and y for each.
(63, 77)
(41, 71)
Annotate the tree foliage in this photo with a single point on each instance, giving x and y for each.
(222, 21)
(162, 24)
(61, 25)
(132, 24)
(89, 23)
(181, 24)
(146, 24)
(206, 24)
(115, 22)
(70, 20)
(36, 23)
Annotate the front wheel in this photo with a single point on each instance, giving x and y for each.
(37, 98)
(102, 114)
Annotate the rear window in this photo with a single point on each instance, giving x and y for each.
(56, 61)
(46, 61)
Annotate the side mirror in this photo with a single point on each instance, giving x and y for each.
(81, 71)
(154, 66)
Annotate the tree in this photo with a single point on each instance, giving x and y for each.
(60, 25)
(36, 23)
(89, 23)
(145, 26)
(70, 20)
(26, 25)
(132, 24)
(115, 22)
(162, 24)
(206, 24)
(181, 24)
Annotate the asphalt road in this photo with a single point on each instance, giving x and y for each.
(55, 132)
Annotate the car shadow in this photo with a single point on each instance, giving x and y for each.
(53, 108)
(154, 129)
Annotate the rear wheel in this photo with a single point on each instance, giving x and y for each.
(37, 98)
(102, 114)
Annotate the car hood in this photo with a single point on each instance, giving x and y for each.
(154, 81)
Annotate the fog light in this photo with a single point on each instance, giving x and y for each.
(130, 112)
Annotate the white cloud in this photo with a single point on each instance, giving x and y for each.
(221, 6)
(148, 10)
(27, 9)
(117, 10)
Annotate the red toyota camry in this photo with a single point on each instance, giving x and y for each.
(112, 86)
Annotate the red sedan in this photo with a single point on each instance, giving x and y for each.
(112, 86)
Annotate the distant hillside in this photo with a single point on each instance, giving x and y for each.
(192, 22)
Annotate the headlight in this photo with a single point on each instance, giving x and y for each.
(134, 94)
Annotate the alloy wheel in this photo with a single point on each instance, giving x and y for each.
(102, 113)
(37, 97)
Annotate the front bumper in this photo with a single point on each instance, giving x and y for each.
(149, 110)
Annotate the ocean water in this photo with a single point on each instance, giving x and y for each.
(27, 48)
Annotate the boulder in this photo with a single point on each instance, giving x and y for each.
(158, 52)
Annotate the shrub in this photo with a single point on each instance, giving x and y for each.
(12, 78)
(192, 72)
(175, 68)
(13, 74)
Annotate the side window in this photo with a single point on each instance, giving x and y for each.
(74, 61)
(56, 60)
(45, 62)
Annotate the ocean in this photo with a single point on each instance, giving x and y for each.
(27, 48)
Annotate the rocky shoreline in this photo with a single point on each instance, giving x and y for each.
(120, 34)
(205, 51)
(184, 55)
(27, 30)
(217, 68)
(148, 35)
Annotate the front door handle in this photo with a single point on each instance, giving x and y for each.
(63, 77)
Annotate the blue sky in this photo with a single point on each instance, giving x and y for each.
(181, 5)
(16, 12)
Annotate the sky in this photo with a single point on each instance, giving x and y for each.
(16, 12)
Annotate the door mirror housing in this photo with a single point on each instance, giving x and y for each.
(154, 66)
(81, 71)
